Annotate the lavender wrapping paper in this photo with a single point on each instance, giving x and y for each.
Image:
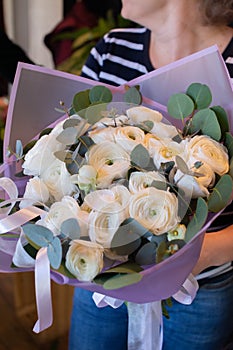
(35, 94)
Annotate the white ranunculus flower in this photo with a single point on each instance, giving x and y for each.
(129, 137)
(197, 186)
(138, 180)
(104, 223)
(141, 114)
(84, 259)
(151, 141)
(167, 151)
(209, 151)
(35, 192)
(111, 162)
(103, 134)
(164, 130)
(100, 198)
(41, 155)
(67, 208)
(177, 233)
(156, 210)
(58, 180)
(86, 178)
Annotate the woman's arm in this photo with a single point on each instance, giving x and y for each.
(217, 249)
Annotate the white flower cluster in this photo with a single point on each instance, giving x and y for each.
(109, 200)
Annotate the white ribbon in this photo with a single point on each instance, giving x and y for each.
(145, 321)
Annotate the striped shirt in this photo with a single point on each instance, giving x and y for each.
(122, 55)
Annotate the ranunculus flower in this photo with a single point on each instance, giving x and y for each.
(84, 259)
(111, 162)
(209, 151)
(196, 186)
(58, 180)
(104, 223)
(138, 180)
(164, 130)
(177, 233)
(35, 192)
(167, 151)
(86, 178)
(103, 134)
(67, 208)
(41, 155)
(129, 137)
(156, 210)
(140, 114)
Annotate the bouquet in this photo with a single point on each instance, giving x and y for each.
(113, 198)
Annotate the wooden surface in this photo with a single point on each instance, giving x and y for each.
(18, 317)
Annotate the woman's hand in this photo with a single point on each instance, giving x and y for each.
(217, 249)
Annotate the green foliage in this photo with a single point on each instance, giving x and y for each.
(40, 236)
(198, 220)
(221, 194)
(180, 106)
(200, 94)
(140, 157)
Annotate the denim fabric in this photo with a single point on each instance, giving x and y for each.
(206, 324)
(94, 328)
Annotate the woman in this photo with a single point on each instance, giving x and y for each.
(172, 29)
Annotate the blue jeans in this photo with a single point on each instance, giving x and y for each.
(206, 324)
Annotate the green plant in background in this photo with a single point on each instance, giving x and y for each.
(84, 39)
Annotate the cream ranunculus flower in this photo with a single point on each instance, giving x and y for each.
(209, 151)
(141, 114)
(138, 180)
(111, 162)
(86, 178)
(67, 208)
(163, 130)
(197, 186)
(103, 134)
(167, 151)
(129, 137)
(58, 180)
(84, 259)
(35, 192)
(116, 194)
(41, 155)
(156, 210)
(104, 223)
(177, 233)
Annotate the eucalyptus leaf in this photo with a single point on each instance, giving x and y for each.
(161, 251)
(64, 156)
(231, 168)
(29, 146)
(180, 106)
(200, 94)
(19, 148)
(81, 100)
(38, 234)
(198, 220)
(127, 238)
(94, 113)
(100, 94)
(140, 156)
(229, 144)
(181, 165)
(64, 271)
(68, 136)
(71, 228)
(206, 121)
(160, 185)
(72, 122)
(222, 118)
(221, 194)
(55, 253)
(133, 95)
(146, 254)
(127, 267)
(122, 280)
